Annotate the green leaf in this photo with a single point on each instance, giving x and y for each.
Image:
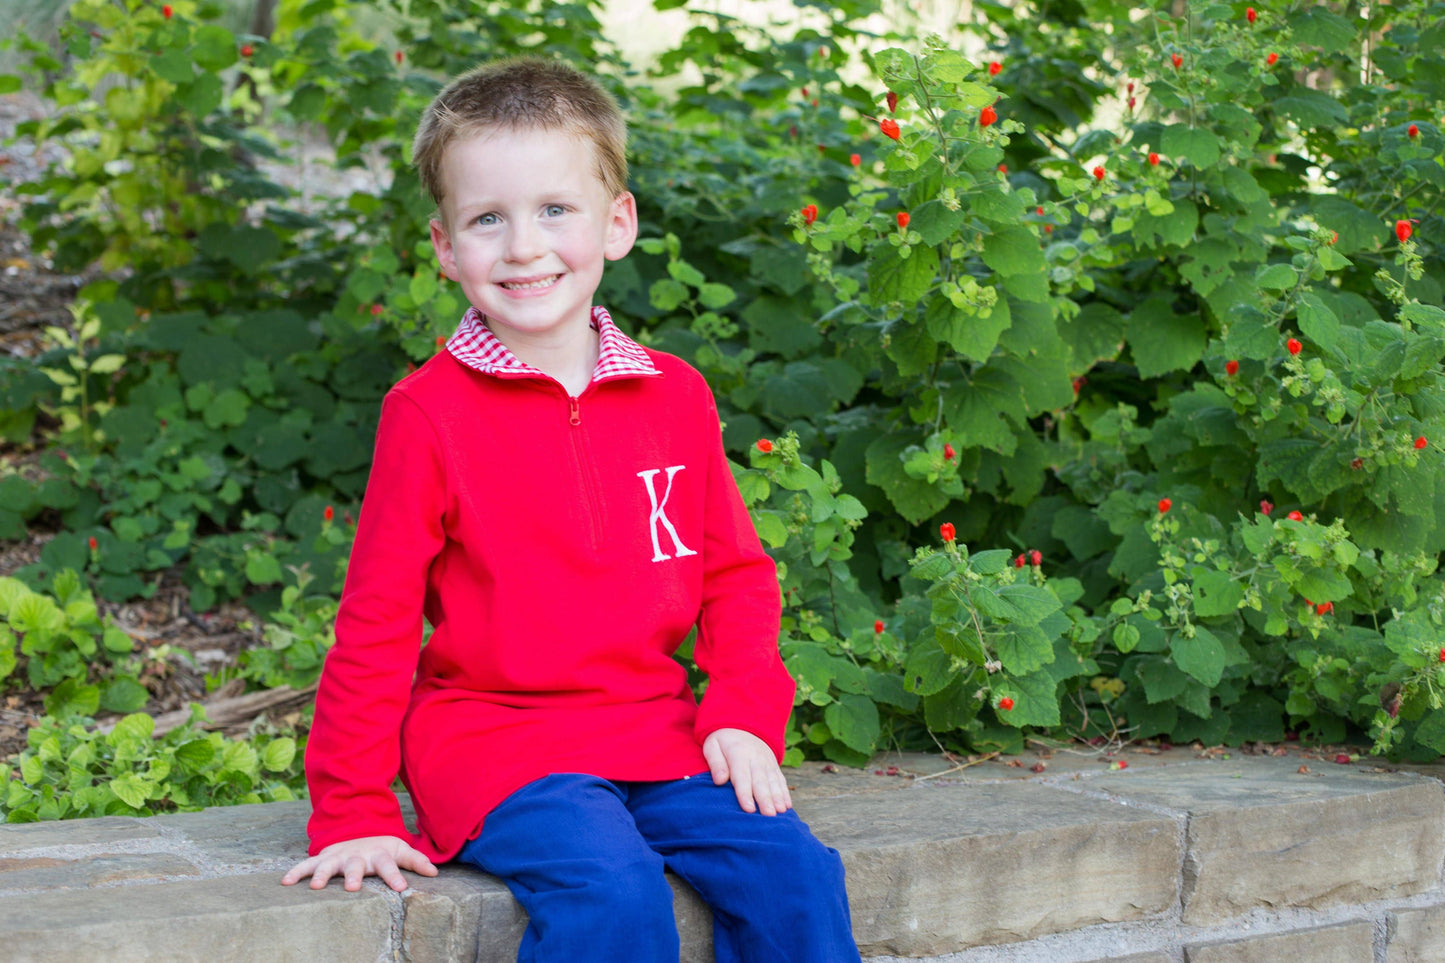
(131, 789)
(1201, 657)
(123, 695)
(1199, 147)
(1276, 277)
(1215, 594)
(73, 698)
(970, 335)
(262, 569)
(279, 753)
(853, 719)
(174, 65)
(1031, 603)
(716, 296)
(1013, 251)
(1036, 702)
(214, 47)
(196, 754)
(1430, 732)
(1022, 648)
(895, 278)
(202, 96)
(1163, 341)
(929, 668)
(1317, 322)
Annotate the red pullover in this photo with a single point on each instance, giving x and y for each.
(562, 548)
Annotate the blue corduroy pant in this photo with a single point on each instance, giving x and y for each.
(585, 858)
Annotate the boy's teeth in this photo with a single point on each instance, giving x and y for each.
(544, 283)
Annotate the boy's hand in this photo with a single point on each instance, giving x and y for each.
(739, 755)
(383, 856)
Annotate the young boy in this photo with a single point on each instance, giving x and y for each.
(555, 499)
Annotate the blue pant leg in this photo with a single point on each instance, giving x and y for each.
(777, 894)
(571, 854)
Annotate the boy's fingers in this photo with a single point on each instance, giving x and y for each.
(743, 786)
(386, 869)
(322, 874)
(416, 862)
(716, 761)
(355, 870)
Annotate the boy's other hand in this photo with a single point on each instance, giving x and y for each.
(383, 856)
(739, 755)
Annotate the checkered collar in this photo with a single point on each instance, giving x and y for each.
(475, 346)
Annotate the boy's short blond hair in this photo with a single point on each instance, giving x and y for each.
(522, 93)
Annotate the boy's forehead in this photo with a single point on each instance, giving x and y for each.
(488, 145)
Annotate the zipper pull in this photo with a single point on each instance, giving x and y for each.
(576, 418)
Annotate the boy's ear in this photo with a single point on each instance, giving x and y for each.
(622, 229)
(442, 244)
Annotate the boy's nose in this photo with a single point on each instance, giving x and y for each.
(524, 243)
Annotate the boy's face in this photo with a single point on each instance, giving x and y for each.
(526, 225)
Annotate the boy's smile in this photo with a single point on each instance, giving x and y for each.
(525, 227)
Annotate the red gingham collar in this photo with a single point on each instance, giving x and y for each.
(475, 346)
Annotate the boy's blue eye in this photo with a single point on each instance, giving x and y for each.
(556, 210)
(487, 219)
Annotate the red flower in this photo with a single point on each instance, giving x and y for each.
(903, 220)
(376, 309)
(1003, 168)
(1153, 158)
(166, 11)
(1412, 131)
(1005, 703)
(822, 52)
(822, 148)
(1266, 506)
(805, 91)
(1129, 89)
(1039, 210)
(947, 531)
(1324, 608)
(346, 517)
(1293, 346)
(247, 50)
(994, 67)
(1272, 59)
(987, 116)
(854, 159)
(329, 514)
(948, 452)
(1019, 562)
(878, 627)
(764, 445)
(1123, 764)
(1132, 102)
(93, 543)
(1036, 558)
(1164, 505)
(1249, 14)
(1357, 464)
(1403, 231)
(1231, 367)
(1295, 516)
(1099, 173)
(1177, 60)
(1334, 237)
(889, 128)
(810, 213)
(1049, 229)
(1080, 381)
(441, 340)
(398, 58)
(1420, 443)
(892, 99)
(1442, 655)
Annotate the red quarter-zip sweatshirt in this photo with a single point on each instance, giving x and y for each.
(562, 548)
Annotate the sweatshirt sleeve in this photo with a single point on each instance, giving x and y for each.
(354, 749)
(737, 639)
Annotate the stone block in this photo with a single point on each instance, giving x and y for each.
(1416, 935)
(18, 837)
(937, 869)
(1264, 836)
(47, 872)
(1351, 942)
(237, 918)
(245, 837)
(1157, 956)
(464, 914)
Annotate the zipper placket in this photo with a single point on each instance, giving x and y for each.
(585, 470)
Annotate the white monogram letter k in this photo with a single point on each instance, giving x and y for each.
(659, 515)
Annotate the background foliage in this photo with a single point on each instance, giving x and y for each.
(1100, 371)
